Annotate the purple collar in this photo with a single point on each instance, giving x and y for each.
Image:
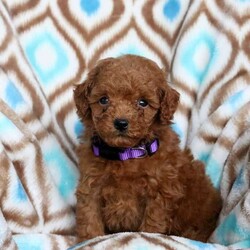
(100, 148)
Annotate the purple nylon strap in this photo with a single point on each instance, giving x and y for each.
(127, 153)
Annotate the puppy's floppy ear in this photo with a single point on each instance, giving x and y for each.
(169, 99)
(82, 91)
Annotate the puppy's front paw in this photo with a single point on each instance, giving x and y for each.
(87, 232)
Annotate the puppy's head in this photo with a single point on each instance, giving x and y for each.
(122, 98)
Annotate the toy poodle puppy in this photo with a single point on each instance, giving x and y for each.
(134, 176)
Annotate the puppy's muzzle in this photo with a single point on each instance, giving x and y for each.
(121, 124)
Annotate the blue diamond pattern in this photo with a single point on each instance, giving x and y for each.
(20, 192)
(67, 178)
(213, 168)
(171, 9)
(61, 63)
(78, 128)
(177, 130)
(90, 7)
(24, 242)
(187, 59)
(13, 96)
(235, 100)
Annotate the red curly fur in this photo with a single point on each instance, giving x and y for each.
(167, 192)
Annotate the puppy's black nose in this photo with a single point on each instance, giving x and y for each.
(121, 124)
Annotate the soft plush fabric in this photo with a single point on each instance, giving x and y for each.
(46, 47)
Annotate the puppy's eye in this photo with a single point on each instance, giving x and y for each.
(143, 103)
(104, 100)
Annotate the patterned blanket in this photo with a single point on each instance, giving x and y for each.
(48, 46)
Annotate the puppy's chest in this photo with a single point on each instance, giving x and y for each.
(126, 182)
(135, 180)
(123, 200)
